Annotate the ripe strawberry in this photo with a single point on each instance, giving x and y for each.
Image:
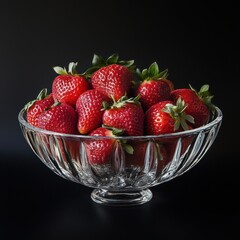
(154, 87)
(37, 106)
(111, 77)
(100, 151)
(199, 103)
(140, 156)
(171, 146)
(89, 108)
(136, 158)
(126, 114)
(68, 85)
(164, 117)
(60, 117)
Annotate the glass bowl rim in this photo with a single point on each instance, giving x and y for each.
(217, 119)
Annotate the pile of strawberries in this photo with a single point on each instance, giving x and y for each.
(113, 97)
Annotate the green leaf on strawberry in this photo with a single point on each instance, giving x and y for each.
(99, 62)
(178, 113)
(127, 147)
(63, 71)
(152, 73)
(112, 59)
(119, 132)
(205, 95)
(121, 102)
(115, 131)
(42, 94)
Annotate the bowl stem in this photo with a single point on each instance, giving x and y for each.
(121, 198)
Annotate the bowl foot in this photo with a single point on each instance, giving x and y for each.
(121, 198)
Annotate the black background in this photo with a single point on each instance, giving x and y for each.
(196, 41)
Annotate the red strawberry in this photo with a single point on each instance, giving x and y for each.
(141, 157)
(111, 77)
(37, 106)
(136, 158)
(154, 86)
(89, 108)
(60, 117)
(165, 117)
(171, 145)
(199, 103)
(69, 85)
(125, 114)
(100, 151)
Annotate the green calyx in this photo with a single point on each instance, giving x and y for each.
(152, 73)
(177, 112)
(42, 94)
(63, 71)
(115, 131)
(205, 95)
(119, 132)
(99, 62)
(121, 102)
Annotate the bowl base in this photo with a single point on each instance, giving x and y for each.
(121, 198)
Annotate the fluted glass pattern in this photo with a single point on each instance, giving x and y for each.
(156, 159)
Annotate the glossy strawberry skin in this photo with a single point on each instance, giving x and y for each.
(99, 151)
(113, 80)
(153, 91)
(157, 121)
(61, 118)
(196, 107)
(37, 108)
(67, 88)
(89, 108)
(129, 118)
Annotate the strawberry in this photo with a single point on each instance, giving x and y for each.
(111, 77)
(199, 103)
(126, 114)
(36, 107)
(60, 117)
(68, 85)
(171, 146)
(165, 117)
(100, 151)
(89, 109)
(154, 87)
(137, 156)
(140, 156)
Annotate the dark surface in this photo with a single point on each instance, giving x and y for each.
(198, 43)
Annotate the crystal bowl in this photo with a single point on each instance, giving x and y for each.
(125, 179)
